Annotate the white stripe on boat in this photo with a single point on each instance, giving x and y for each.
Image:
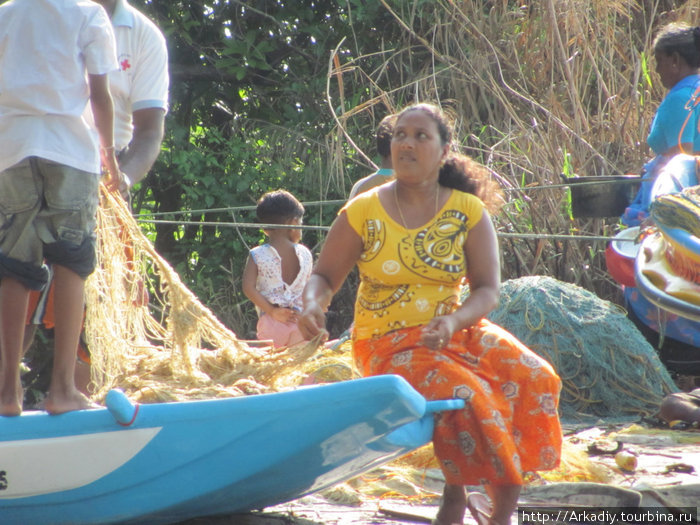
(32, 467)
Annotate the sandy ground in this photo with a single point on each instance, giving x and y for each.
(666, 474)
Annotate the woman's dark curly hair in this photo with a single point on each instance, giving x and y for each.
(459, 171)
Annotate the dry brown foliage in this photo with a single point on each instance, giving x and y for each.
(536, 89)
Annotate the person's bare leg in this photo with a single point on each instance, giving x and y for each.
(68, 311)
(29, 333)
(452, 506)
(83, 377)
(505, 501)
(679, 407)
(13, 310)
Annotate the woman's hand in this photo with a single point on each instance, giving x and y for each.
(312, 321)
(438, 332)
(341, 250)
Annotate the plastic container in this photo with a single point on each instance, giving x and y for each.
(604, 196)
(621, 254)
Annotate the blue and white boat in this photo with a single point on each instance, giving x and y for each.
(167, 462)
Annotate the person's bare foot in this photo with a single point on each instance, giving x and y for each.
(11, 401)
(10, 408)
(453, 505)
(480, 508)
(55, 404)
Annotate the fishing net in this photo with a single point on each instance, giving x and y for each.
(168, 346)
(608, 369)
(150, 336)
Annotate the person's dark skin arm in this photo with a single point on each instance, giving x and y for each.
(103, 110)
(137, 160)
(340, 252)
(250, 277)
(680, 406)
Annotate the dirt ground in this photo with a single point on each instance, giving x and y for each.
(664, 471)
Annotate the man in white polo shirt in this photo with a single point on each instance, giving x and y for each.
(140, 93)
(139, 89)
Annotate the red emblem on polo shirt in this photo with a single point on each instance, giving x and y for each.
(125, 64)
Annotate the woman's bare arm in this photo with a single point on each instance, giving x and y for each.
(340, 252)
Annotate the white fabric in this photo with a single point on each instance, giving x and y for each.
(142, 80)
(270, 283)
(46, 48)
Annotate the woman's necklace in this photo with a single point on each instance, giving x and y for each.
(398, 207)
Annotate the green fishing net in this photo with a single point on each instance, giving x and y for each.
(608, 369)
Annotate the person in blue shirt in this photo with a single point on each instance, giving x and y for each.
(674, 131)
(675, 128)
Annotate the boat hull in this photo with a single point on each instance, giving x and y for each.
(168, 462)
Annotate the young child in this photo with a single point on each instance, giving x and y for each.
(54, 58)
(276, 272)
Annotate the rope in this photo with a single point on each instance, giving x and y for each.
(690, 106)
(238, 208)
(256, 225)
(147, 218)
(335, 202)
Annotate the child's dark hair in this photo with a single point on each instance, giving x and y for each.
(385, 131)
(459, 171)
(278, 207)
(682, 39)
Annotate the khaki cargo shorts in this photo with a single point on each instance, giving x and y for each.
(47, 213)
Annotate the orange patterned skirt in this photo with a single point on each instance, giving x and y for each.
(509, 425)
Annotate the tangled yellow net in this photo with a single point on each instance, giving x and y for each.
(170, 347)
(167, 346)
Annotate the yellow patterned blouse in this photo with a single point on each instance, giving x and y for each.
(409, 276)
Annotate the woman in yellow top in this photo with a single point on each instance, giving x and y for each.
(415, 239)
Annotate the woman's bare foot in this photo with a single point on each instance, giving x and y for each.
(480, 508)
(505, 502)
(453, 505)
(60, 404)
